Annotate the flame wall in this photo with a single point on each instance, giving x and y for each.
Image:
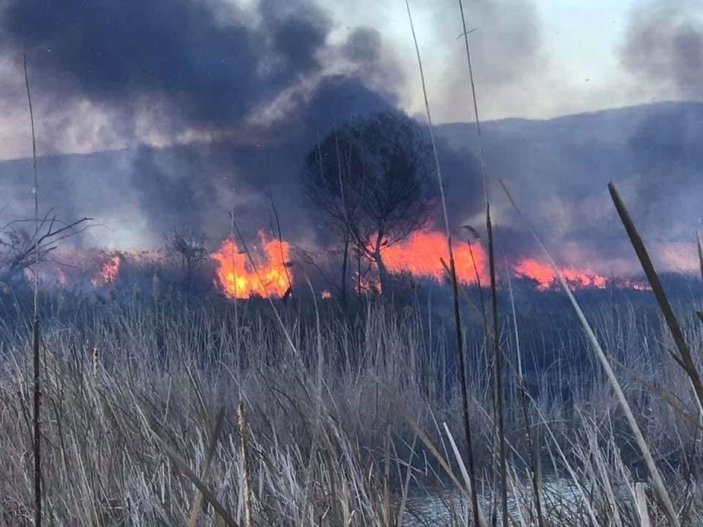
(420, 255)
(268, 276)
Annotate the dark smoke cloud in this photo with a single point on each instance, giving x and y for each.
(203, 58)
(197, 184)
(363, 45)
(664, 50)
(668, 160)
(203, 65)
(193, 64)
(372, 61)
(297, 31)
(664, 46)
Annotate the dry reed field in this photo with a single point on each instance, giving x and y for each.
(349, 418)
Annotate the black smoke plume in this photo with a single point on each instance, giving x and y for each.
(664, 46)
(251, 80)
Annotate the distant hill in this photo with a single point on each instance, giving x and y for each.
(576, 153)
(557, 168)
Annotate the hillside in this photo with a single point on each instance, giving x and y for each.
(557, 168)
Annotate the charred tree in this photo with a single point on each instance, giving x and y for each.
(21, 249)
(188, 248)
(372, 179)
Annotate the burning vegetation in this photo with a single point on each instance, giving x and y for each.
(265, 274)
(421, 255)
(264, 269)
(545, 276)
(109, 271)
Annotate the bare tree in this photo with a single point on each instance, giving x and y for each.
(188, 247)
(24, 243)
(373, 180)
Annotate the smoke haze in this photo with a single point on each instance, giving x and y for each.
(187, 109)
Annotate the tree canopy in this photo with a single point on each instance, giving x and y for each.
(373, 180)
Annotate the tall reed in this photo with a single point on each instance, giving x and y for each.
(497, 354)
(657, 480)
(455, 287)
(36, 358)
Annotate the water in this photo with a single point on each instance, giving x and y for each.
(450, 507)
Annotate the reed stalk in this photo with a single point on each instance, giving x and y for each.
(461, 352)
(657, 481)
(36, 362)
(244, 434)
(532, 444)
(685, 358)
(198, 500)
(497, 374)
(497, 359)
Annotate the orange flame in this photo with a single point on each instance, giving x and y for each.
(108, 272)
(419, 255)
(268, 277)
(546, 277)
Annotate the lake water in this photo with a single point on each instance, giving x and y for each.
(450, 507)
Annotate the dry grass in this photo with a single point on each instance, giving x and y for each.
(334, 428)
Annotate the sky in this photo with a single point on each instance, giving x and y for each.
(533, 59)
(575, 51)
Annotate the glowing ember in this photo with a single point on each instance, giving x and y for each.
(546, 276)
(634, 285)
(419, 255)
(367, 285)
(268, 277)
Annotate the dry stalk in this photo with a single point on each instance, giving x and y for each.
(244, 433)
(35, 327)
(685, 358)
(198, 500)
(657, 481)
(498, 381)
(497, 374)
(461, 352)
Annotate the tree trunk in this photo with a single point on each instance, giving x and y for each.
(383, 278)
(382, 271)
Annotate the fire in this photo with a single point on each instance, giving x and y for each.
(108, 272)
(367, 285)
(546, 276)
(420, 256)
(267, 277)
